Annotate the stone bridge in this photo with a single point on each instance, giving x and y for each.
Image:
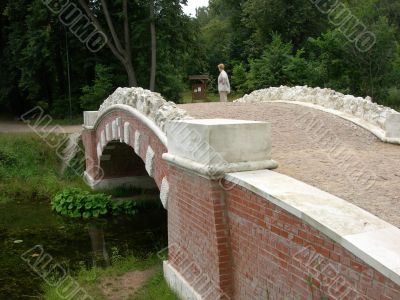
(324, 223)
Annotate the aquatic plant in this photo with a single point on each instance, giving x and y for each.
(76, 203)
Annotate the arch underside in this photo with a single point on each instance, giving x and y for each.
(122, 167)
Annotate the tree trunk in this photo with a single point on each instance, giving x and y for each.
(122, 54)
(153, 48)
(131, 73)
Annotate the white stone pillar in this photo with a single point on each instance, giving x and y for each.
(214, 147)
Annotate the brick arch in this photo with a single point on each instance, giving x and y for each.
(125, 126)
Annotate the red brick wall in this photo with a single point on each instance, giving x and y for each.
(276, 253)
(198, 236)
(92, 164)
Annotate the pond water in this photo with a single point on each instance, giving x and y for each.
(71, 243)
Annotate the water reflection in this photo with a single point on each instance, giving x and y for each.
(69, 242)
(100, 255)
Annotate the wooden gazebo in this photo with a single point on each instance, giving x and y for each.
(199, 86)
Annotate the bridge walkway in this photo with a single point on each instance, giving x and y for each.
(324, 151)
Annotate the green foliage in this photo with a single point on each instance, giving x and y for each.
(116, 257)
(293, 20)
(277, 66)
(123, 207)
(306, 48)
(393, 98)
(93, 96)
(34, 47)
(169, 82)
(7, 158)
(239, 78)
(75, 203)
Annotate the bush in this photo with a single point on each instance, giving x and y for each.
(393, 99)
(169, 83)
(270, 69)
(93, 96)
(75, 203)
(239, 78)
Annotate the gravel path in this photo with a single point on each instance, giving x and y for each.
(324, 151)
(11, 127)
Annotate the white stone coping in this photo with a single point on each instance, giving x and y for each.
(144, 182)
(137, 114)
(217, 171)
(371, 239)
(376, 130)
(179, 284)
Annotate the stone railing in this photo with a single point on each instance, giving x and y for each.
(382, 121)
(152, 105)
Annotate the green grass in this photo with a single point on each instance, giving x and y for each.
(89, 280)
(29, 168)
(212, 97)
(156, 288)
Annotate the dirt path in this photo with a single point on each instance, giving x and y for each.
(19, 127)
(125, 286)
(326, 152)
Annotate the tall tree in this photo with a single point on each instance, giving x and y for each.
(153, 69)
(122, 53)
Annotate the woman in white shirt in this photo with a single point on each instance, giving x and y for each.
(224, 87)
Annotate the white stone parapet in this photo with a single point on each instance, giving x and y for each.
(152, 105)
(215, 147)
(369, 238)
(382, 121)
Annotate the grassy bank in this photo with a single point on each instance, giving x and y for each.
(30, 168)
(101, 284)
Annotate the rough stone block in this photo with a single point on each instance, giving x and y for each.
(164, 193)
(114, 130)
(103, 139)
(220, 141)
(137, 142)
(150, 155)
(392, 126)
(126, 132)
(99, 151)
(90, 117)
(108, 132)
